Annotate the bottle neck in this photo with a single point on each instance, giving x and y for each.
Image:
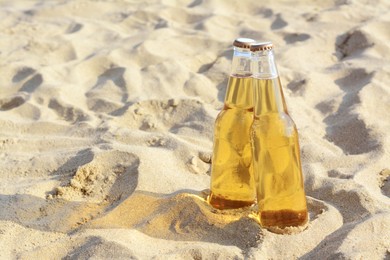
(239, 93)
(263, 65)
(268, 94)
(241, 63)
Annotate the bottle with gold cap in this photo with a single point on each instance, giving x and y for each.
(232, 180)
(276, 155)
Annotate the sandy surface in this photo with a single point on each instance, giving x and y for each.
(106, 121)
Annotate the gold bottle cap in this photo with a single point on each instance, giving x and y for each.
(244, 43)
(261, 46)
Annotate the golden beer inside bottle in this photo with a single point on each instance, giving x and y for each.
(232, 180)
(276, 157)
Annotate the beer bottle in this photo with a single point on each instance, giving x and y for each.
(276, 156)
(232, 180)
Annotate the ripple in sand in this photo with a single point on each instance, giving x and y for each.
(384, 182)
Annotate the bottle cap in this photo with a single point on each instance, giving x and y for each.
(261, 46)
(244, 43)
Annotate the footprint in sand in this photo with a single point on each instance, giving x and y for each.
(67, 112)
(352, 43)
(338, 174)
(14, 101)
(73, 28)
(111, 83)
(278, 23)
(266, 12)
(326, 107)
(310, 17)
(297, 86)
(195, 3)
(161, 23)
(22, 74)
(31, 84)
(296, 37)
(344, 128)
(100, 175)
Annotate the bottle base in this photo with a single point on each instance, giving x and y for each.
(284, 221)
(222, 203)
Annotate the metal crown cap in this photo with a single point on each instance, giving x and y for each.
(261, 46)
(244, 43)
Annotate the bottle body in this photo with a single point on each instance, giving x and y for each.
(276, 158)
(232, 180)
(276, 155)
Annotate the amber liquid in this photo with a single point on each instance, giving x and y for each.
(232, 180)
(276, 158)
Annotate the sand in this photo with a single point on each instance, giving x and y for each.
(106, 125)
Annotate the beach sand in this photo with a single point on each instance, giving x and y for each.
(107, 111)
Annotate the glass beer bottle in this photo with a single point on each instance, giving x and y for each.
(276, 155)
(232, 180)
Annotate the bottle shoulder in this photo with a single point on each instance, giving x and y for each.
(235, 111)
(280, 119)
(229, 117)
